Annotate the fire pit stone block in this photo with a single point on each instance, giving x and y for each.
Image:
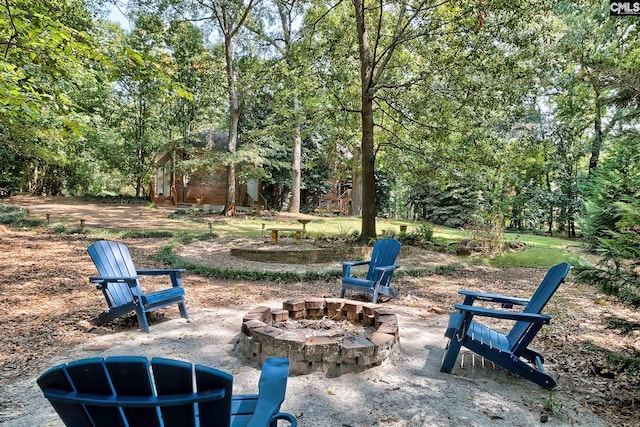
(318, 348)
(294, 305)
(260, 313)
(279, 315)
(353, 347)
(249, 325)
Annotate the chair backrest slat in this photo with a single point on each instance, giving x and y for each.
(384, 253)
(174, 377)
(71, 414)
(522, 334)
(112, 259)
(130, 376)
(217, 412)
(91, 376)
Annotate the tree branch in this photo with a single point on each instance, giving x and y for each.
(244, 16)
(15, 30)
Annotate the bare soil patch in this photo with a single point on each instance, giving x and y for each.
(47, 301)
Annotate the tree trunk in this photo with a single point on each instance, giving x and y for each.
(368, 230)
(596, 144)
(296, 170)
(368, 176)
(234, 116)
(356, 182)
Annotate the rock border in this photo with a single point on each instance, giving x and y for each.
(335, 356)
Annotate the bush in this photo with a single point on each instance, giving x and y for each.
(423, 236)
(486, 235)
(15, 216)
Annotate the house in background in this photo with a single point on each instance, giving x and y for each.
(338, 201)
(200, 188)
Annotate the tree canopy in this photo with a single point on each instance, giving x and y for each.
(439, 111)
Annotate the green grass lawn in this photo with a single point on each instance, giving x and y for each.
(541, 251)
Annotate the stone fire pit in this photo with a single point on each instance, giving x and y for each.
(331, 335)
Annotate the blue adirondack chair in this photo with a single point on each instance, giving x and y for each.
(381, 268)
(119, 282)
(133, 391)
(506, 350)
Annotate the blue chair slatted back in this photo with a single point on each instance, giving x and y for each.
(123, 377)
(112, 259)
(522, 333)
(384, 253)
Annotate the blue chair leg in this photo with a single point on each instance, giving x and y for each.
(453, 349)
(183, 310)
(142, 319)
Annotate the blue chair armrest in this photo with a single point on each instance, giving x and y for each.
(387, 268)
(102, 282)
(352, 263)
(500, 314)
(471, 296)
(380, 271)
(99, 279)
(161, 272)
(293, 421)
(271, 390)
(346, 266)
(174, 273)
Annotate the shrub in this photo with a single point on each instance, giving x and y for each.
(422, 236)
(15, 216)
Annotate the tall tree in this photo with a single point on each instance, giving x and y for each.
(283, 41)
(230, 16)
(143, 87)
(383, 31)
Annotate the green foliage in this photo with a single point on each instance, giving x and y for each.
(120, 199)
(625, 326)
(48, 51)
(65, 229)
(629, 364)
(422, 235)
(612, 224)
(440, 270)
(452, 206)
(146, 234)
(612, 279)
(167, 256)
(623, 363)
(17, 217)
(197, 212)
(460, 125)
(550, 404)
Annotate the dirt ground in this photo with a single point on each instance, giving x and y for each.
(46, 303)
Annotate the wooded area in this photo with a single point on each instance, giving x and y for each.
(523, 113)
